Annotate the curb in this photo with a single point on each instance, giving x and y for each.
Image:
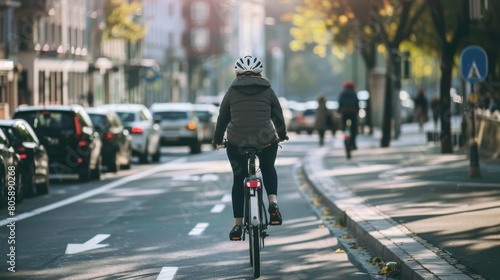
(381, 235)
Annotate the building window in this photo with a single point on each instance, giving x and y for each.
(200, 38)
(200, 12)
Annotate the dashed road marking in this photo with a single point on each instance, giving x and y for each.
(226, 198)
(218, 208)
(167, 273)
(198, 229)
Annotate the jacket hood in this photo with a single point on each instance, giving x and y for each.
(250, 84)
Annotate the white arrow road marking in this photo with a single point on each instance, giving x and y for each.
(167, 273)
(218, 208)
(198, 229)
(91, 244)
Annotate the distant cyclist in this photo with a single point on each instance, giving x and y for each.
(349, 108)
(252, 115)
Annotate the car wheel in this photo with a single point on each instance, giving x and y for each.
(84, 174)
(143, 158)
(43, 188)
(195, 147)
(3, 191)
(157, 155)
(96, 173)
(29, 182)
(114, 166)
(129, 160)
(20, 188)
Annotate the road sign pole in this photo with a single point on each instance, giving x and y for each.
(474, 171)
(474, 69)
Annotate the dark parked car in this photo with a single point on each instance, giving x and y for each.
(10, 179)
(34, 160)
(67, 133)
(116, 140)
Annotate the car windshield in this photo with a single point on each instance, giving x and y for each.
(126, 117)
(204, 115)
(53, 120)
(100, 121)
(309, 112)
(9, 132)
(171, 116)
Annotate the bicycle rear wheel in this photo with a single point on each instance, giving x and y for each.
(255, 248)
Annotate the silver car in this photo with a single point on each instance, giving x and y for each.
(207, 114)
(145, 133)
(179, 125)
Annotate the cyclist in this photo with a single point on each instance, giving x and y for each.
(348, 108)
(252, 116)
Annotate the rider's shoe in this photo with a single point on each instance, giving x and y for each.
(275, 215)
(235, 233)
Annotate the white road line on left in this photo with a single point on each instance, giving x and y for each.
(85, 195)
(198, 229)
(167, 273)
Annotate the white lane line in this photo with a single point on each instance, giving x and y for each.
(85, 195)
(198, 229)
(167, 273)
(218, 208)
(226, 198)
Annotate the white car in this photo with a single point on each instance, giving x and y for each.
(145, 133)
(179, 125)
(207, 114)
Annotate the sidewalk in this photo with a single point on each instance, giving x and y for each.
(410, 204)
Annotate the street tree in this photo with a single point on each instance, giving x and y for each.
(119, 19)
(486, 33)
(365, 25)
(450, 19)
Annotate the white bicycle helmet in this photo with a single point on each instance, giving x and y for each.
(248, 64)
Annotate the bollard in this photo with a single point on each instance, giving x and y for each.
(474, 171)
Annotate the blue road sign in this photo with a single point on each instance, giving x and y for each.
(474, 64)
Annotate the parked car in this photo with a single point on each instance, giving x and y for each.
(34, 160)
(9, 172)
(67, 133)
(116, 140)
(179, 125)
(207, 115)
(145, 132)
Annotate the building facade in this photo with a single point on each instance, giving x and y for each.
(9, 68)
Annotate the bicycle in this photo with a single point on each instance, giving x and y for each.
(348, 140)
(255, 220)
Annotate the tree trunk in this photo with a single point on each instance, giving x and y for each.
(387, 117)
(445, 86)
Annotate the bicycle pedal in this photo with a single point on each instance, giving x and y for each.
(264, 233)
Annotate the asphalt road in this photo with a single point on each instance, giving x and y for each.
(166, 221)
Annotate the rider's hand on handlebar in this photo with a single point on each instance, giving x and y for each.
(284, 139)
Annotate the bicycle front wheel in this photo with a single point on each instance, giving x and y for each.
(255, 250)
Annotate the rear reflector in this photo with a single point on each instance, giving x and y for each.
(82, 143)
(253, 184)
(22, 156)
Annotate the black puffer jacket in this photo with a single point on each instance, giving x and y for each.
(248, 111)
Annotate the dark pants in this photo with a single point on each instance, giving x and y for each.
(239, 164)
(353, 129)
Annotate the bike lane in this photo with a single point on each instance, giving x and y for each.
(412, 205)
